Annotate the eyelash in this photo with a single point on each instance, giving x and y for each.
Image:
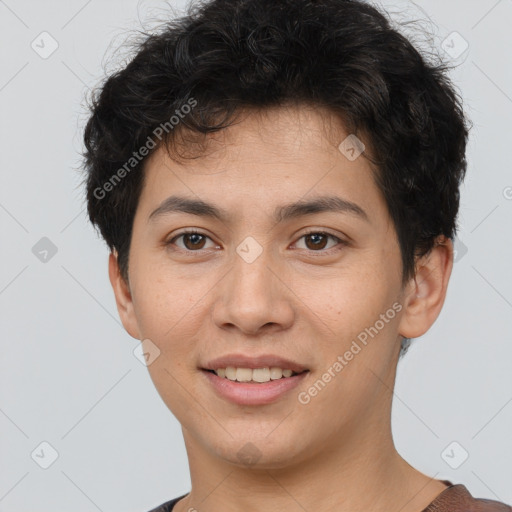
(339, 246)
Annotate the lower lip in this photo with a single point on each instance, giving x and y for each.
(249, 393)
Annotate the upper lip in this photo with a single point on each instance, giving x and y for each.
(261, 361)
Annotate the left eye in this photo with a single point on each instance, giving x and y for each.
(194, 241)
(318, 240)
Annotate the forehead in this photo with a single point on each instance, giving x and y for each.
(263, 158)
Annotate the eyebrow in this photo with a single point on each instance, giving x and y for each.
(175, 204)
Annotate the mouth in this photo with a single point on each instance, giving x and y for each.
(258, 386)
(254, 375)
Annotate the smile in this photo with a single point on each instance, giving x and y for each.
(254, 375)
(273, 384)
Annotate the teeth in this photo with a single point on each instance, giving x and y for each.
(261, 374)
(257, 375)
(231, 373)
(243, 374)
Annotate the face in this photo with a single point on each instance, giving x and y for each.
(308, 285)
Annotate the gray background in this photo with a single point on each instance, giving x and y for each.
(68, 375)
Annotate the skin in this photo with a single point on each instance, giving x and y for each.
(296, 300)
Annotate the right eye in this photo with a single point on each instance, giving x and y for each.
(193, 241)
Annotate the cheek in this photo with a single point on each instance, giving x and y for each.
(167, 302)
(170, 313)
(348, 313)
(349, 300)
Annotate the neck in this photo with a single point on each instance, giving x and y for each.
(357, 471)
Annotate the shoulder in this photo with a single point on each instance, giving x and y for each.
(491, 506)
(457, 498)
(169, 505)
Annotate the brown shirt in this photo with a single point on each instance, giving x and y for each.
(455, 498)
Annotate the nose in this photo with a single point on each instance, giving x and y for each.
(253, 297)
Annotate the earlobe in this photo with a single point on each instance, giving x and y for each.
(426, 291)
(123, 297)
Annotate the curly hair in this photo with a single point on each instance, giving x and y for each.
(226, 55)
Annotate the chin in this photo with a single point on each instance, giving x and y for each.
(261, 452)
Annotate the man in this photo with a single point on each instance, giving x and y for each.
(278, 183)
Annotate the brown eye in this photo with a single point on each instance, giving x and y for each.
(317, 241)
(191, 241)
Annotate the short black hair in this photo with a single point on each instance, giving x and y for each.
(227, 55)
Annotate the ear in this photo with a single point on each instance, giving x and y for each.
(425, 292)
(123, 297)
